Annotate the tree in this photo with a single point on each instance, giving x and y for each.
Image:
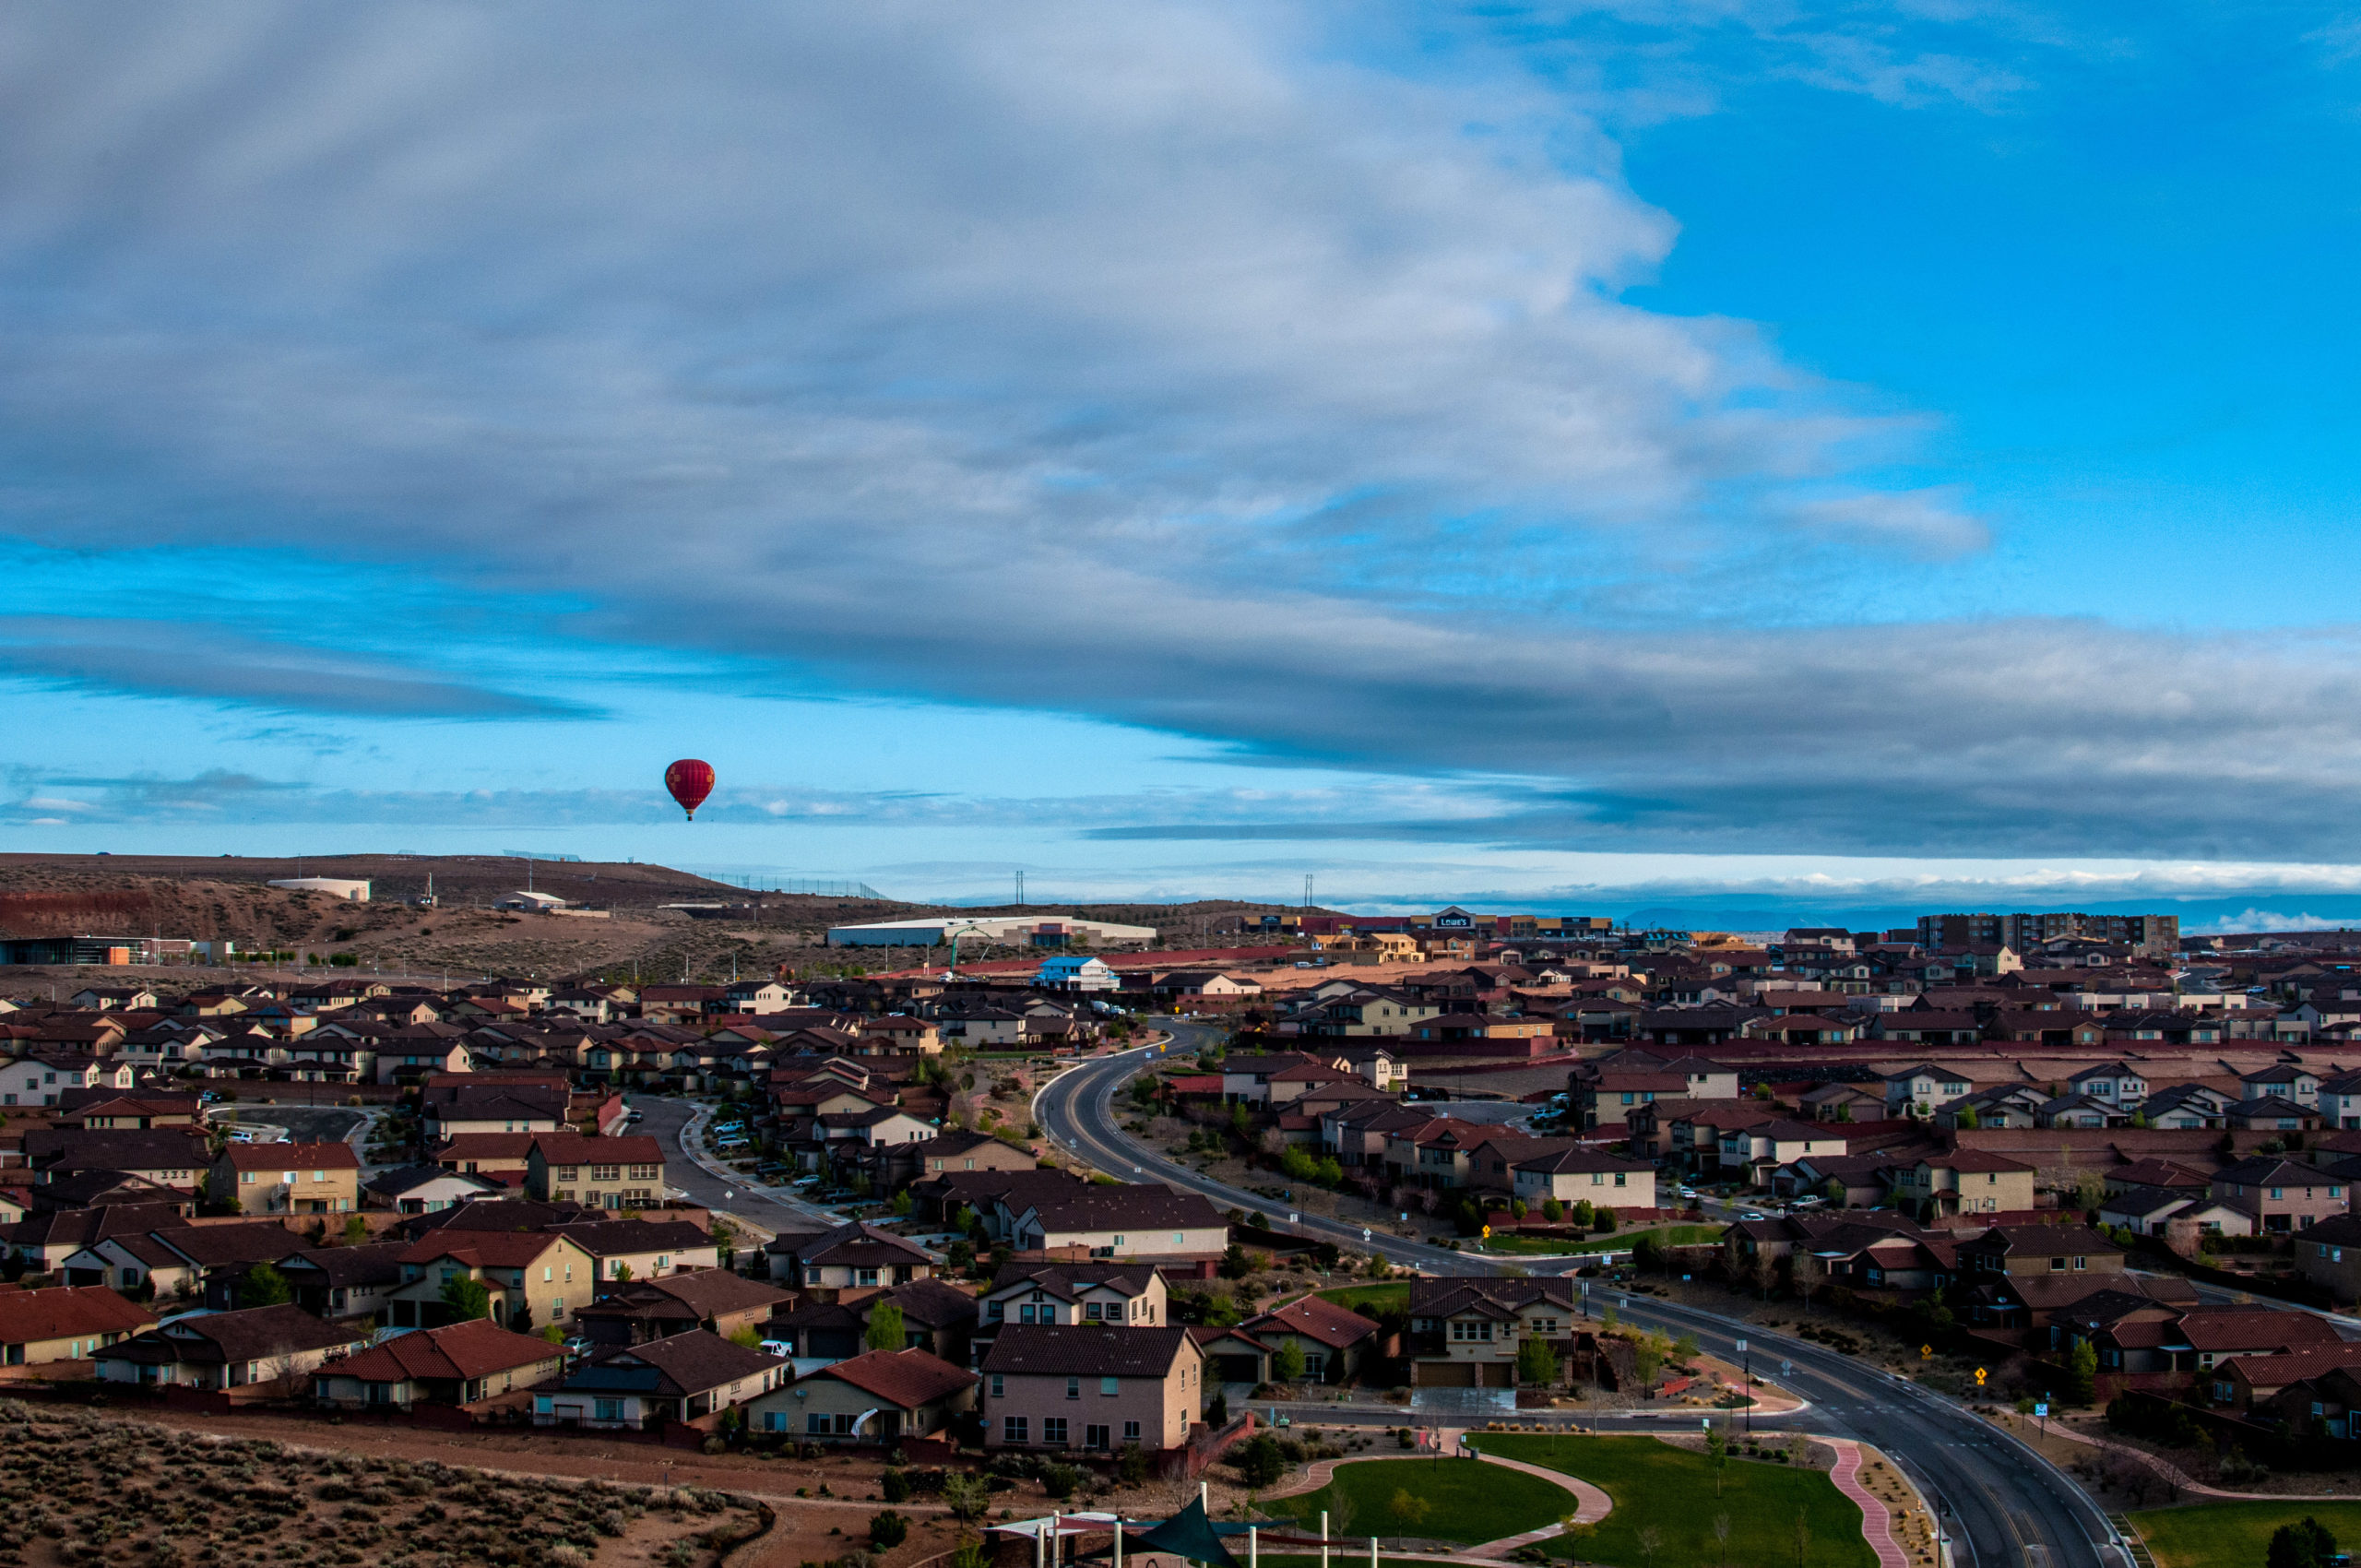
(356, 1231)
(552, 1334)
(903, 1203)
(622, 1270)
(1721, 1533)
(747, 1337)
(2082, 1370)
(1406, 1509)
(887, 1529)
(2305, 1544)
(1579, 1215)
(1216, 1414)
(1553, 1211)
(1650, 1538)
(468, 1299)
(264, 1285)
(1537, 1363)
(967, 1496)
(960, 1254)
(1803, 1538)
(1260, 1462)
(1647, 1361)
(1240, 1121)
(1331, 1172)
(964, 1220)
(1233, 1262)
(1717, 1453)
(1286, 1363)
(1517, 1209)
(886, 1331)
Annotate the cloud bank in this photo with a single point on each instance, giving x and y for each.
(1173, 363)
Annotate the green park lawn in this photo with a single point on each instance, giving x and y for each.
(1369, 1297)
(2237, 1534)
(1465, 1501)
(1618, 1242)
(1671, 1489)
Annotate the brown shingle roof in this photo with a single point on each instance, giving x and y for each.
(1324, 1321)
(904, 1378)
(460, 1350)
(1075, 1349)
(291, 1156)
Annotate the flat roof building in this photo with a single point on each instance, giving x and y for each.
(1029, 931)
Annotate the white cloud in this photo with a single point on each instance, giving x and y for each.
(1160, 362)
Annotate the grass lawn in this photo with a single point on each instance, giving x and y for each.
(2236, 1535)
(1621, 1241)
(1373, 1298)
(1465, 1501)
(1671, 1489)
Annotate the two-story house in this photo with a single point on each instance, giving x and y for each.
(1915, 1092)
(322, 1178)
(534, 1277)
(1075, 1387)
(1464, 1331)
(2281, 1196)
(624, 1172)
(1572, 1175)
(1965, 1182)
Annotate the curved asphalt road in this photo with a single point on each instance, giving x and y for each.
(2004, 1505)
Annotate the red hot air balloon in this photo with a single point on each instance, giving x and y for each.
(691, 781)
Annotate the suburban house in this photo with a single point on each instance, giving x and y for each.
(344, 1282)
(1583, 1174)
(279, 1346)
(457, 1364)
(1331, 1338)
(642, 1249)
(425, 1189)
(877, 1397)
(533, 1276)
(64, 1323)
(1140, 1220)
(2279, 1196)
(1915, 1092)
(852, 1257)
(625, 1172)
(689, 1377)
(1464, 1331)
(1965, 1182)
(322, 1178)
(1066, 1386)
(2329, 1254)
(1129, 1294)
(711, 1299)
(957, 1150)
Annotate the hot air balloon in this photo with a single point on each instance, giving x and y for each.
(691, 781)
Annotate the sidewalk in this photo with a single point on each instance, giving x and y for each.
(1877, 1523)
(2180, 1478)
(1591, 1505)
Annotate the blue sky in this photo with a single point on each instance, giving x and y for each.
(1622, 456)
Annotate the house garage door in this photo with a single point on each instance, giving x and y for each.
(1446, 1375)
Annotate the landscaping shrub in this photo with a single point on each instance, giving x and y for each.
(887, 1529)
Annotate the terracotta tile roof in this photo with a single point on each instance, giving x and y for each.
(1324, 1321)
(573, 1148)
(67, 1311)
(461, 1350)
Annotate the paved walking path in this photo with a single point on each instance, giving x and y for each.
(1877, 1523)
(2185, 1481)
(1591, 1505)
